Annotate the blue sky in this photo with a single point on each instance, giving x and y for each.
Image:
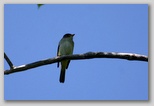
(32, 34)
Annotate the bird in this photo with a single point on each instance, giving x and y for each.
(65, 47)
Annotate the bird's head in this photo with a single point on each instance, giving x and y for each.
(68, 35)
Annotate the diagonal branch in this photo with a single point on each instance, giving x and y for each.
(88, 55)
(8, 61)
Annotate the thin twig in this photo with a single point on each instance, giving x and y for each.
(8, 61)
(88, 55)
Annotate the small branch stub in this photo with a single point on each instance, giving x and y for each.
(8, 61)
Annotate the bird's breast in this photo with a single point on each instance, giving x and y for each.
(66, 48)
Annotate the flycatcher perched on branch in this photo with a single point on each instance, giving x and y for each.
(65, 47)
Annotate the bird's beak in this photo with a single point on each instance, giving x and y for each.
(73, 34)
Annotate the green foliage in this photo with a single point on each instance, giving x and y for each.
(39, 5)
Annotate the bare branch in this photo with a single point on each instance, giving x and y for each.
(88, 55)
(8, 61)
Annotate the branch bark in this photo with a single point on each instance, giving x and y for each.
(88, 55)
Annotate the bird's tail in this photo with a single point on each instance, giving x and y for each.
(62, 75)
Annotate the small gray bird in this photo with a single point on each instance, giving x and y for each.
(65, 47)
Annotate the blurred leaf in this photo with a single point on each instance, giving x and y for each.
(39, 5)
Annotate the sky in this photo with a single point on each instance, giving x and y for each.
(32, 34)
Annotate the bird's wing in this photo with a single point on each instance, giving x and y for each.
(68, 62)
(58, 55)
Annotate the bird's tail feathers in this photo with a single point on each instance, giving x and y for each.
(62, 75)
